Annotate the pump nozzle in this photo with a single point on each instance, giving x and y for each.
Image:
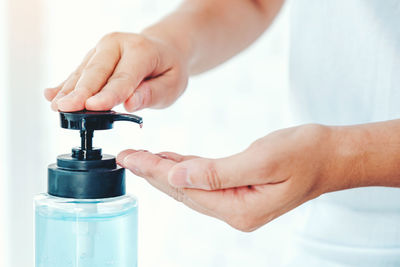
(95, 120)
(86, 173)
(89, 121)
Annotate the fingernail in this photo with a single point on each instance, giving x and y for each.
(126, 163)
(125, 160)
(137, 101)
(180, 178)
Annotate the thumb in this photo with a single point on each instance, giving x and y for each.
(214, 174)
(158, 92)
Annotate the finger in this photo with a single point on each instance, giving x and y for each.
(229, 205)
(180, 196)
(145, 164)
(212, 174)
(202, 209)
(215, 202)
(65, 90)
(133, 67)
(93, 77)
(239, 207)
(68, 85)
(148, 162)
(50, 93)
(232, 205)
(158, 177)
(121, 156)
(174, 156)
(157, 92)
(164, 155)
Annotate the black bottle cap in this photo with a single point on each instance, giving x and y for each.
(86, 173)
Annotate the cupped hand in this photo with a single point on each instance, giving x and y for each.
(137, 70)
(274, 175)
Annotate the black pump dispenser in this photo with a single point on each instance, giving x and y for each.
(86, 173)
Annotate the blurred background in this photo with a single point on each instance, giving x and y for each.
(222, 112)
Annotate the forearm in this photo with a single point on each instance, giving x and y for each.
(365, 155)
(208, 32)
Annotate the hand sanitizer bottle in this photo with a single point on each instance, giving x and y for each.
(86, 219)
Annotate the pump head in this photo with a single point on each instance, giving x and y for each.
(86, 173)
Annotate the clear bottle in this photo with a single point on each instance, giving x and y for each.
(86, 219)
(86, 232)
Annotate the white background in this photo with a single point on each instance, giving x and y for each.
(221, 113)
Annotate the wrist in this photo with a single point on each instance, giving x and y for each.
(327, 158)
(346, 160)
(365, 155)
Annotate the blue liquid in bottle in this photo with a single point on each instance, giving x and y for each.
(86, 233)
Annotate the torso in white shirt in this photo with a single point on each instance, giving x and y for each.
(345, 69)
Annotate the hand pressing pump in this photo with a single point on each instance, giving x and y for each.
(86, 219)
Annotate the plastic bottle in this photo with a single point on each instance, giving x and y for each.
(86, 219)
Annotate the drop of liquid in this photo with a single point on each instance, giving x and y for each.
(141, 125)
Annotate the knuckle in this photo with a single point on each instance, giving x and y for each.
(85, 91)
(122, 75)
(115, 97)
(257, 144)
(112, 36)
(148, 96)
(129, 107)
(75, 75)
(145, 46)
(213, 180)
(97, 68)
(152, 163)
(138, 41)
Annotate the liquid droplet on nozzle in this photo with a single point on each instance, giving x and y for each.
(141, 125)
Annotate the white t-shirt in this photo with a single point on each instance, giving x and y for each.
(345, 69)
